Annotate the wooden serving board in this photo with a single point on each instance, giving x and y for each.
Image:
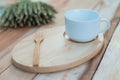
(56, 52)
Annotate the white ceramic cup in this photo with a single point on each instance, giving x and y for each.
(83, 25)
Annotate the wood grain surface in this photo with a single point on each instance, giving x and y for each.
(17, 34)
(94, 63)
(102, 7)
(109, 68)
(56, 52)
(9, 38)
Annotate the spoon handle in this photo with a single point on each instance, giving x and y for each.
(36, 55)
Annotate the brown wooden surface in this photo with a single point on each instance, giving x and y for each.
(94, 63)
(63, 55)
(109, 68)
(9, 38)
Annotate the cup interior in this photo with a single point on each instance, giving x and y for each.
(81, 15)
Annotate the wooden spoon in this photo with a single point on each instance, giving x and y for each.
(38, 40)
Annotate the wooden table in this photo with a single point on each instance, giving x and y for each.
(104, 66)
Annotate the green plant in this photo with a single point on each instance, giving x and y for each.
(27, 13)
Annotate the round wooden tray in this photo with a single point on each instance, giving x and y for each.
(56, 52)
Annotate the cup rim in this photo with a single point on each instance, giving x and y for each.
(66, 15)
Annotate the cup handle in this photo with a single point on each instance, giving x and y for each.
(108, 24)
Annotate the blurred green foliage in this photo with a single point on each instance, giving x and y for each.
(27, 13)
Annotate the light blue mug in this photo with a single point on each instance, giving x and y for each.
(83, 25)
(1, 11)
